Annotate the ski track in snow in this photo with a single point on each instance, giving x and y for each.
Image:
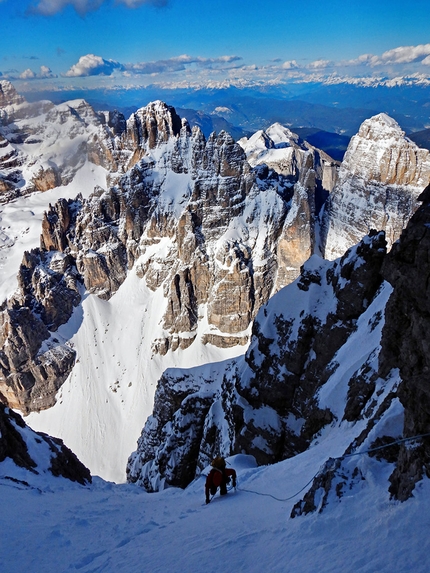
(111, 528)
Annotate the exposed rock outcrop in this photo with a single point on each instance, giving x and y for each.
(380, 179)
(34, 451)
(192, 216)
(405, 344)
(9, 95)
(346, 346)
(33, 362)
(264, 405)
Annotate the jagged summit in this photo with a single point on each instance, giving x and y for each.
(281, 135)
(185, 234)
(379, 181)
(9, 95)
(337, 362)
(381, 153)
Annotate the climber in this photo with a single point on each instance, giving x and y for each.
(219, 477)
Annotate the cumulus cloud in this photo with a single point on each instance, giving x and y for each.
(52, 7)
(320, 64)
(28, 74)
(91, 65)
(405, 54)
(397, 56)
(363, 60)
(290, 65)
(46, 72)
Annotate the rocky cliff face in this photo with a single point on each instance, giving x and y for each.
(36, 452)
(380, 179)
(209, 230)
(265, 403)
(43, 146)
(191, 217)
(343, 349)
(34, 363)
(284, 152)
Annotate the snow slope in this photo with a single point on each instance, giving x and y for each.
(63, 527)
(21, 221)
(111, 388)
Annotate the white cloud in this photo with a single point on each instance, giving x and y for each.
(290, 65)
(137, 3)
(52, 7)
(397, 56)
(426, 61)
(28, 74)
(179, 63)
(320, 64)
(405, 54)
(46, 72)
(363, 60)
(91, 65)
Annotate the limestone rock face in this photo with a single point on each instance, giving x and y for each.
(46, 179)
(380, 179)
(9, 95)
(405, 343)
(343, 349)
(33, 362)
(191, 217)
(37, 452)
(265, 403)
(151, 125)
(403, 358)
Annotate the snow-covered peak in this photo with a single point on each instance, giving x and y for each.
(381, 128)
(280, 134)
(159, 111)
(381, 176)
(281, 150)
(380, 152)
(276, 136)
(259, 141)
(77, 110)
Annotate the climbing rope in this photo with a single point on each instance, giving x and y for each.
(286, 498)
(403, 440)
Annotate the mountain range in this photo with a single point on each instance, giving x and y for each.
(255, 297)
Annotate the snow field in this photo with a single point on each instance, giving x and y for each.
(120, 528)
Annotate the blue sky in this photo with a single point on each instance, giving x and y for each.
(102, 43)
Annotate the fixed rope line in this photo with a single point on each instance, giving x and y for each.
(401, 441)
(286, 498)
(332, 460)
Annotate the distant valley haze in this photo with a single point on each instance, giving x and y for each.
(307, 65)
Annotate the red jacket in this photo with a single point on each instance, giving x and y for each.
(219, 479)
